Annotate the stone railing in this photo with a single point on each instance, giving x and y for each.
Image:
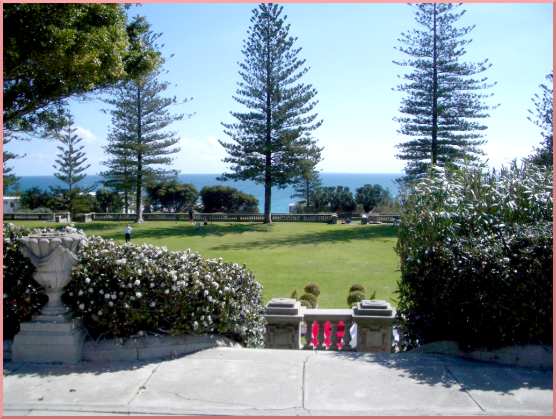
(327, 329)
(383, 218)
(112, 216)
(254, 217)
(62, 217)
(291, 326)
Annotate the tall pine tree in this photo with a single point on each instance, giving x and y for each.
(541, 116)
(120, 174)
(71, 160)
(444, 101)
(139, 135)
(273, 135)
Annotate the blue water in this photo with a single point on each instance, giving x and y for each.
(281, 198)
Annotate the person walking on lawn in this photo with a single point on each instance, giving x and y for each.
(127, 231)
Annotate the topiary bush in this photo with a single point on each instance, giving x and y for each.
(476, 258)
(354, 297)
(357, 287)
(312, 288)
(23, 296)
(308, 300)
(122, 289)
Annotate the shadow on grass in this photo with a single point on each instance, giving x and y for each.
(447, 371)
(342, 234)
(186, 230)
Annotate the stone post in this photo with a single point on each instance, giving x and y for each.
(374, 319)
(283, 323)
(51, 336)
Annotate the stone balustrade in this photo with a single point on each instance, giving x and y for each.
(291, 326)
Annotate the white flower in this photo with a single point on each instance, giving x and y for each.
(81, 306)
(137, 283)
(87, 280)
(206, 293)
(120, 261)
(139, 271)
(166, 291)
(100, 313)
(106, 296)
(138, 294)
(80, 293)
(110, 303)
(153, 304)
(113, 296)
(195, 325)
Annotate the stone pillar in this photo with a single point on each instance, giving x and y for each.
(51, 336)
(283, 323)
(374, 319)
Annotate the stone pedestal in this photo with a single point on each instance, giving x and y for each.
(51, 336)
(283, 328)
(374, 319)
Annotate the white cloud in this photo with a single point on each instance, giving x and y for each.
(86, 134)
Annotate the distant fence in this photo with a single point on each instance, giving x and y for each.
(201, 217)
(38, 216)
(284, 218)
(384, 218)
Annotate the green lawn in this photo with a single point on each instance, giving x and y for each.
(283, 256)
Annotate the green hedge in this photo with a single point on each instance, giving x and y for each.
(476, 258)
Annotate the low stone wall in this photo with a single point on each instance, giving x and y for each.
(259, 218)
(531, 356)
(145, 348)
(29, 216)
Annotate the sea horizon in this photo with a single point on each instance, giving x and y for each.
(281, 198)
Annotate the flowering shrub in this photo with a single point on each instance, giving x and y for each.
(23, 296)
(122, 290)
(476, 258)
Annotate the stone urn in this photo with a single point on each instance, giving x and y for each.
(53, 255)
(51, 336)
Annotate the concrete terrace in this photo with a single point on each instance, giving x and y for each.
(231, 381)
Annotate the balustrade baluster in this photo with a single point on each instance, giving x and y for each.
(320, 335)
(307, 337)
(347, 336)
(333, 336)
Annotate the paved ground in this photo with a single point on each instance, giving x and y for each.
(228, 381)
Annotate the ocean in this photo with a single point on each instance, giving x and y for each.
(281, 198)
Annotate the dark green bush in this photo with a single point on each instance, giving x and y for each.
(308, 300)
(313, 289)
(23, 296)
(476, 258)
(354, 297)
(226, 199)
(357, 287)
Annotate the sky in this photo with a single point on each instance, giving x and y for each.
(349, 49)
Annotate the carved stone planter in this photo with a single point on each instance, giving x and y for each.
(51, 336)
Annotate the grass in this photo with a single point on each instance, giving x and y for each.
(283, 256)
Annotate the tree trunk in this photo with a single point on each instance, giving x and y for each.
(267, 199)
(434, 142)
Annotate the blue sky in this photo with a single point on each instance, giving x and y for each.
(349, 48)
